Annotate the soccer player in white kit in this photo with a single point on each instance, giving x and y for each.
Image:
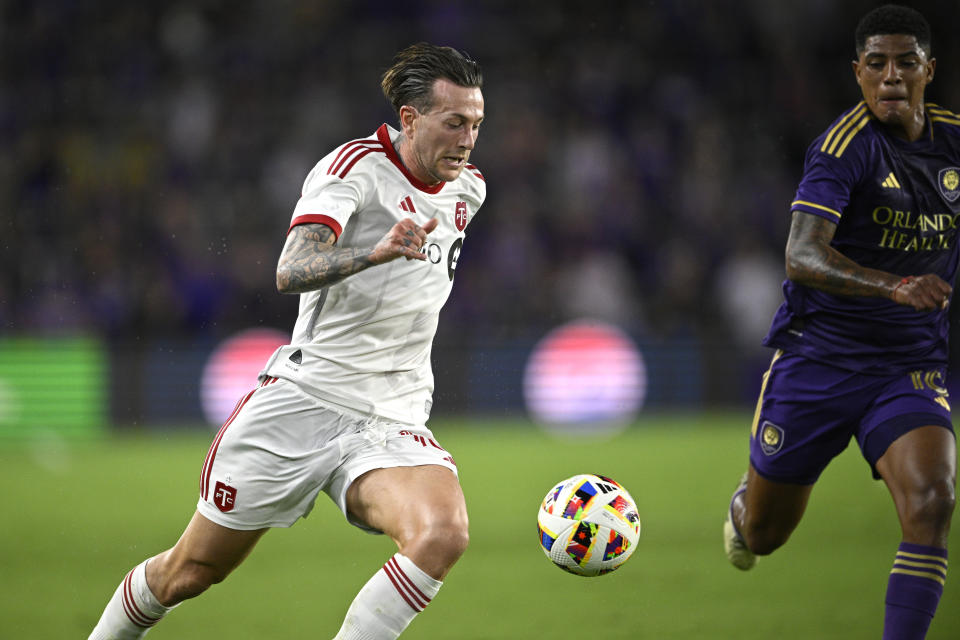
(371, 249)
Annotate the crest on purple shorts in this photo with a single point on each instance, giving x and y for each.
(771, 438)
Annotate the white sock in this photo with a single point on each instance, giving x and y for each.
(389, 601)
(132, 610)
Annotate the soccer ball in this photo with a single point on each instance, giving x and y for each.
(588, 525)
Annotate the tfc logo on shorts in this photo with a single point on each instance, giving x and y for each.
(225, 497)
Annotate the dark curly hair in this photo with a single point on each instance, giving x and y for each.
(409, 80)
(893, 19)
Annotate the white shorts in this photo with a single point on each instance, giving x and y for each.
(282, 446)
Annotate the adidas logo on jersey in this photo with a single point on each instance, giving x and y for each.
(891, 182)
(407, 205)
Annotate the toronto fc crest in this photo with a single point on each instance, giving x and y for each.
(460, 216)
(225, 497)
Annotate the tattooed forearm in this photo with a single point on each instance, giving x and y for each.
(310, 260)
(812, 262)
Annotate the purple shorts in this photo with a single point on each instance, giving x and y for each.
(808, 411)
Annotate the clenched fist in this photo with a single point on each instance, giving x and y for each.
(924, 293)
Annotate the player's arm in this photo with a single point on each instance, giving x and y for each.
(311, 260)
(812, 262)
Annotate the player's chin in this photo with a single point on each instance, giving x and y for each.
(892, 112)
(448, 174)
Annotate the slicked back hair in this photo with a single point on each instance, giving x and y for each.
(409, 80)
(893, 19)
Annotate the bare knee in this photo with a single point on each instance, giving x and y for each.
(927, 513)
(173, 581)
(435, 547)
(763, 538)
(448, 540)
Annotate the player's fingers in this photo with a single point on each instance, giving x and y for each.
(936, 291)
(928, 302)
(405, 227)
(430, 225)
(933, 282)
(414, 240)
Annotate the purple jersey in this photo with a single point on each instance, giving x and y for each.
(897, 207)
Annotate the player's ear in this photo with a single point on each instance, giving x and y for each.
(856, 71)
(408, 119)
(931, 67)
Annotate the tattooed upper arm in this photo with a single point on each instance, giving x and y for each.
(809, 239)
(310, 260)
(313, 233)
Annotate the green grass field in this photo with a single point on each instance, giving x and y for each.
(77, 516)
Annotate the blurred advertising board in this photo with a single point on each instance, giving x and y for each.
(52, 386)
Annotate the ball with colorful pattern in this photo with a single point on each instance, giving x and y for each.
(588, 525)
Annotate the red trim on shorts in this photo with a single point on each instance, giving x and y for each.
(212, 452)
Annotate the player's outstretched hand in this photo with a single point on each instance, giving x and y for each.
(924, 293)
(403, 240)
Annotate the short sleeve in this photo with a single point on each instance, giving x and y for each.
(328, 199)
(827, 183)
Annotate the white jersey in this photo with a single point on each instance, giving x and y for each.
(365, 342)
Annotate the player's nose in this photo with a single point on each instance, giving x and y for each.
(891, 73)
(468, 139)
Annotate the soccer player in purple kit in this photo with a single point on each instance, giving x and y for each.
(861, 338)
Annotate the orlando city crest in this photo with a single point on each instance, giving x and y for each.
(771, 438)
(949, 182)
(460, 215)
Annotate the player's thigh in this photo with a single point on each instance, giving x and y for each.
(209, 543)
(921, 466)
(921, 456)
(404, 501)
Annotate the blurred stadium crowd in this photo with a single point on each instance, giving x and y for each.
(640, 156)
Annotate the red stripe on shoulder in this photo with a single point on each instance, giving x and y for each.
(356, 158)
(317, 218)
(349, 155)
(473, 169)
(345, 148)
